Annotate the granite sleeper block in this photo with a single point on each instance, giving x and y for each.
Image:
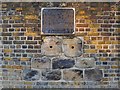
(51, 46)
(93, 74)
(59, 63)
(73, 75)
(82, 62)
(31, 75)
(41, 63)
(51, 75)
(72, 47)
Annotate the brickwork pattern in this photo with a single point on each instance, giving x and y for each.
(24, 65)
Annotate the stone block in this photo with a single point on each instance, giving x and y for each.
(58, 63)
(72, 47)
(93, 75)
(51, 75)
(85, 62)
(51, 46)
(41, 63)
(73, 75)
(31, 75)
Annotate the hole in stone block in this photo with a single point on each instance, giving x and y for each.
(72, 47)
(51, 46)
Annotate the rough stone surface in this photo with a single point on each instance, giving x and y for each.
(31, 75)
(62, 63)
(51, 46)
(73, 75)
(93, 74)
(41, 63)
(51, 75)
(85, 62)
(72, 47)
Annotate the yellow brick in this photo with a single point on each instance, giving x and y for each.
(19, 9)
(86, 38)
(107, 42)
(5, 17)
(82, 12)
(0, 29)
(99, 46)
(115, 67)
(94, 42)
(31, 34)
(90, 51)
(31, 17)
(7, 50)
(4, 5)
(7, 58)
(93, 8)
(24, 59)
(17, 67)
(94, 25)
(105, 79)
(93, 34)
(8, 66)
(101, 42)
(29, 86)
(16, 17)
(28, 83)
(112, 75)
(88, 21)
(81, 17)
(103, 59)
(114, 42)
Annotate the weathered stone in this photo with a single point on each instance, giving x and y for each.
(72, 47)
(51, 75)
(62, 63)
(85, 62)
(51, 46)
(41, 63)
(73, 75)
(93, 74)
(31, 75)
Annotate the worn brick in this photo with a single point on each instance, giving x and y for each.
(17, 25)
(19, 51)
(6, 26)
(7, 42)
(31, 42)
(6, 34)
(18, 42)
(106, 34)
(18, 34)
(82, 25)
(106, 25)
(31, 51)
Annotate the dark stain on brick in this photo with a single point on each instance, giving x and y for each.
(52, 75)
(63, 63)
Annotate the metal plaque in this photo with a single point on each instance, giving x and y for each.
(57, 21)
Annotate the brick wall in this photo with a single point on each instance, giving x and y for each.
(23, 65)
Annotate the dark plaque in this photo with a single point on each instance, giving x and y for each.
(58, 21)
